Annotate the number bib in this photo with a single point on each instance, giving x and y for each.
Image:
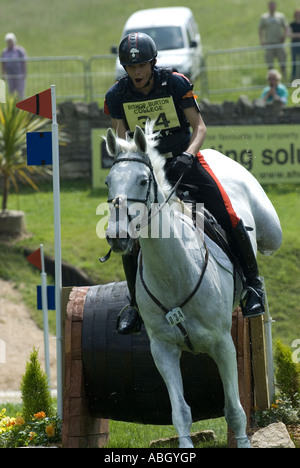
(161, 110)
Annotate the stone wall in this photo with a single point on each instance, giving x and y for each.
(77, 119)
(246, 112)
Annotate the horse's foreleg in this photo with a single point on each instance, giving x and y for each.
(167, 360)
(225, 358)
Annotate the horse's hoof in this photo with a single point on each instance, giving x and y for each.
(185, 442)
(243, 442)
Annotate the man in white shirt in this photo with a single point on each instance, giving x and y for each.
(273, 29)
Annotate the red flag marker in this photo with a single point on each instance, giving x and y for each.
(35, 259)
(39, 104)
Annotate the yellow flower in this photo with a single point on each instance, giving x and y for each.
(32, 435)
(40, 415)
(50, 430)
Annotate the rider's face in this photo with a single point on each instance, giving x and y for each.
(140, 73)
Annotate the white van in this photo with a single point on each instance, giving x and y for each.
(177, 38)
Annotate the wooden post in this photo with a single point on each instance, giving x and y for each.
(241, 338)
(259, 363)
(80, 429)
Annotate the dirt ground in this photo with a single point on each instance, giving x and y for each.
(18, 335)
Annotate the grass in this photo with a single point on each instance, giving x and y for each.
(281, 270)
(130, 435)
(80, 245)
(73, 28)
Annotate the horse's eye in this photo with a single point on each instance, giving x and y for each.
(143, 182)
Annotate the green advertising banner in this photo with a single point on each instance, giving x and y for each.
(270, 152)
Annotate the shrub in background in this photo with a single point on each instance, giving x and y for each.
(35, 393)
(287, 375)
(286, 405)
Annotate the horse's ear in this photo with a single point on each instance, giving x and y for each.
(140, 140)
(111, 143)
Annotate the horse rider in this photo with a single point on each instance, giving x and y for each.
(148, 91)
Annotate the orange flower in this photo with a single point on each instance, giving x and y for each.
(11, 422)
(19, 421)
(32, 435)
(40, 415)
(50, 430)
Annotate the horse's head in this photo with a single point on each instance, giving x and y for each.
(132, 188)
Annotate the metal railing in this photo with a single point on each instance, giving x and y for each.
(69, 74)
(101, 72)
(243, 69)
(223, 71)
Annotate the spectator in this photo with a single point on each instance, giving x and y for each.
(275, 91)
(273, 29)
(14, 65)
(295, 44)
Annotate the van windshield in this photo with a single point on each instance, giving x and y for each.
(165, 38)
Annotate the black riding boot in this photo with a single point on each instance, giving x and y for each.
(255, 293)
(131, 323)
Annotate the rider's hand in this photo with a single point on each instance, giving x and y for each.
(183, 163)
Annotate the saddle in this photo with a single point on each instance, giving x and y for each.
(211, 226)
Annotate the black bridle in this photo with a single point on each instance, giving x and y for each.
(116, 200)
(151, 180)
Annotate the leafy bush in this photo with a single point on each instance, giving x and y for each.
(286, 405)
(287, 375)
(35, 394)
(282, 410)
(14, 125)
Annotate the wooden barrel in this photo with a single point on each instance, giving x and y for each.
(121, 379)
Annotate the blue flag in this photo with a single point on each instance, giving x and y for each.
(39, 148)
(50, 297)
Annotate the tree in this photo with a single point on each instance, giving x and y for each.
(14, 124)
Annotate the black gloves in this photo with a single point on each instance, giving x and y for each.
(182, 164)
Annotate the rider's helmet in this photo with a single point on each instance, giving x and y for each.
(137, 48)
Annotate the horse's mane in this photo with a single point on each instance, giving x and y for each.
(157, 160)
(158, 164)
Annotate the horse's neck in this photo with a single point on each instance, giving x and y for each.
(171, 248)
